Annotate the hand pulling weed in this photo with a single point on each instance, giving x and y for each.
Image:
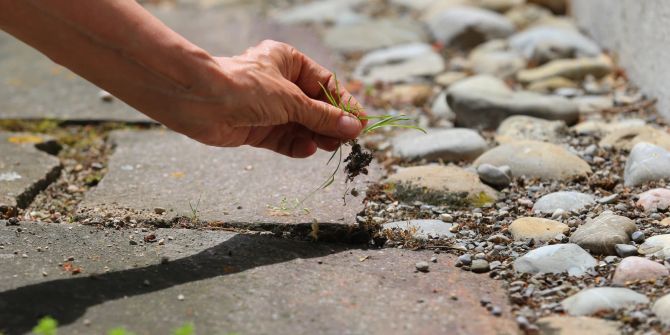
(359, 159)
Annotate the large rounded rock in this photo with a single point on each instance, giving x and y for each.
(594, 127)
(602, 234)
(646, 163)
(520, 127)
(371, 35)
(602, 299)
(466, 27)
(484, 102)
(545, 43)
(399, 63)
(441, 185)
(556, 258)
(449, 145)
(638, 268)
(328, 11)
(536, 160)
(537, 229)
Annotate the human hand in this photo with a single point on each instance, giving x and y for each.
(270, 97)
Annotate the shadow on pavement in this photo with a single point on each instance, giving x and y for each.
(66, 300)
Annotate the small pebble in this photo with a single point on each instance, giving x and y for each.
(638, 237)
(446, 217)
(159, 210)
(496, 311)
(625, 250)
(180, 297)
(465, 259)
(480, 266)
(422, 266)
(433, 259)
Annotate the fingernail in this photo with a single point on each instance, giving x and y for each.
(348, 126)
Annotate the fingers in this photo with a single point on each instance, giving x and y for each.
(325, 119)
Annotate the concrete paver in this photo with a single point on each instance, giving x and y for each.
(230, 282)
(24, 170)
(239, 187)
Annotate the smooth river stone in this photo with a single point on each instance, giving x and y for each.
(534, 159)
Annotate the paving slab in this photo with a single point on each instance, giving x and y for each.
(244, 187)
(24, 170)
(33, 87)
(225, 282)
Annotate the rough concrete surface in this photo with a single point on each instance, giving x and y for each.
(225, 282)
(638, 32)
(242, 187)
(24, 170)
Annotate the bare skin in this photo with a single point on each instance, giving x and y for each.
(268, 97)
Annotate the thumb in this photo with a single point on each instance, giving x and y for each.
(325, 119)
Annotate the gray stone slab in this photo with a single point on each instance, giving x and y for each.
(24, 170)
(233, 283)
(240, 187)
(33, 87)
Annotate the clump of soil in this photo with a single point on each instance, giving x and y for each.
(357, 161)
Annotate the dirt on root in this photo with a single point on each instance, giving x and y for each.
(357, 161)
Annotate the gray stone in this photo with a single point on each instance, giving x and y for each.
(440, 109)
(494, 59)
(221, 186)
(601, 234)
(480, 266)
(449, 145)
(326, 11)
(646, 163)
(567, 201)
(371, 35)
(422, 229)
(638, 237)
(465, 259)
(494, 176)
(422, 266)
(536, 160)
(442, 185)
(537, 229)
(545, 43)
(241, 283)
(625, 250)
(399, 63)
(556, 258)
(602, 299)
(662, 309)
(468, 26)
(638, 269)
(485, 101)
(24, 170)
(570, 325)
(658, 245)
(575, 69)
(520, 127)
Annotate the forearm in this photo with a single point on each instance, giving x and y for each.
(115, 44)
